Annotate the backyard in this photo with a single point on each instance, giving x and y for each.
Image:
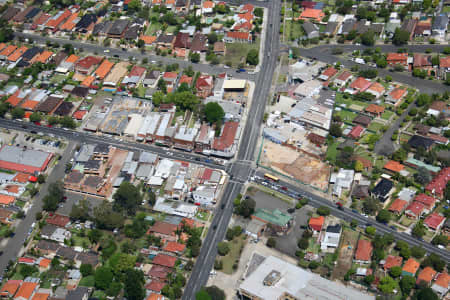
(233, 256)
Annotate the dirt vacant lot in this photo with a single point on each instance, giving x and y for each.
(296, 164)
(347, 248)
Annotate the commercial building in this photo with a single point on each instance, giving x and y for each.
(274, 278)
(23, 160)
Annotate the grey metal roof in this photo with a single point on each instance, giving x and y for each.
(23, 156)
(440, 22)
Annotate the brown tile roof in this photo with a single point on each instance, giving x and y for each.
(103, 69)
(374, 108)
(426, 275)
(398, 205)
(17, 54)
(393, 261)
(394, 166)
(58, 220)
(163, 228)
(164, 260)
(411, 266)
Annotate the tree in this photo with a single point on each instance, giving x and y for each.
(426, 294)
(336, 130)
(120, 262)
(407, 283)
(35, 117)
(127, 197)
(50, 203)
(106, 218)
(95, 235)
(370, 206)
(417, 252)
(419, 229)
(271, 242)
(323, 211)
(195, 57)
(140, 43)
(258, 12)
(246, 207)
(387, 285)
(382, 63)
(215, 293)
(354, 223)
(395, 271)
(162, 86)
(134, 284)
(151, 198)
(252, 57)
(434, 261)
(17, 113)
(202, 295)
(212, 38)
(214, 112)
(359, 167)
(86, 270)
(103, 277)
(440, 240)
(368, 38)
(114, 289)
(371, 230)
(67, 122)
(422, 176)
(369, 279)
(303, 243)
(80, 211)
(384, 216)
(223, 248)
(41, 178)
(27, 270)
(400, 37)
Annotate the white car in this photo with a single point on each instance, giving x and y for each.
(106, 51)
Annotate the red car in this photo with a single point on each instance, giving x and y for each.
(284, 188)
(37, 123)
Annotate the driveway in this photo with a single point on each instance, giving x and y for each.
(287, 244)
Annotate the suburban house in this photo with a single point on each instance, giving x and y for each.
(311, 30)
(279, 221)
(396, 96)
(398, 206)
(332, 237)
(392, 261)
(397, 59)
(363, 253)
(410, 267)
(382, 190)
(374, 110)
(434, 222)
(237, 37)
(439, 27)
(316, 223)
(414, 210)
(439, 182)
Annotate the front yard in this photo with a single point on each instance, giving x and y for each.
(236, 53)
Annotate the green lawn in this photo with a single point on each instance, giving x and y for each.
(141, 91)
(446, 9)
(3, 229)
(387, 115)
(153, 28)
(171, 29)
(237, 52)
(375, 126)
(235, 251)
(346, 115)
(202, 215)
(20, 203)
(332, 152)
(87, 281)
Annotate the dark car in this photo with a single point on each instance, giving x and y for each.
(291, 210)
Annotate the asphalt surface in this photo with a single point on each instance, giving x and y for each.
(242, 168)
(323, 53)
(138, 55)
(348, 215)
(14, 245)
(89, 138)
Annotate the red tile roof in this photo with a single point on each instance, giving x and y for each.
(174, 247)
(164, 260)
(393, 261)
(163, 228)
(426, 200)
(226, 140)
(437, 185)
(8, 50)
(155, 285)
(79, 114)
(330, 72)
(434, 220)
(137, 71)
(26, 260)
(239, 35)
(11, 287)
(29, 104)
(398, 205)
(170, 75)
(159, 272)
(344, 76)
(316, 223)
(311, 13)
(364, 250)
(26, 290)
(443, 280)
(17, 54)
(411, 266)
(360, 84)
(103, 69)
(58, 220)
(88, 62)
(421, 60)
(397, 57)
(426, 275)
(356, 132)
(55, 22)
(6, 199)
(415, 208)
(444, 62)
(394, 166)
(70, 23)
(398, 93)
(185, 79)
(373, 108)
(248, 16)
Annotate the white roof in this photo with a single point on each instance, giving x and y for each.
(134, 124)
(163, 124)
(234, 84)
(186, 134)
(164, 167)
(156, 181)
(297, 282)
